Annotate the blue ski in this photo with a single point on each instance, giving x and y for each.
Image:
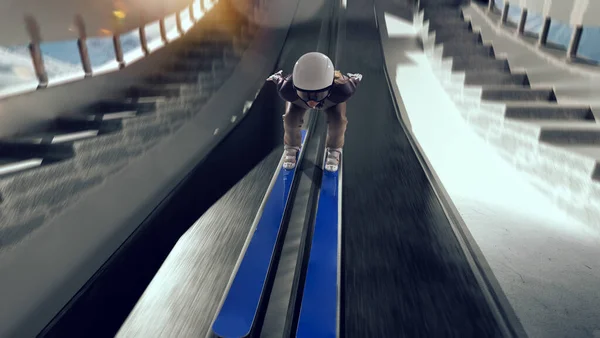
(319, 308)
(241, 305)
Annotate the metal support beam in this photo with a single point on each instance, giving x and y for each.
(522, 22)
(144, 40)
(36, 52)
(163, 31)
(504, 16)
(574, 44)
(192, 15)
(543, 38)
(118, 50)
(178, 23)
(82, 45)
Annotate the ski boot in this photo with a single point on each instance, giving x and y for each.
(332, 162)
(290, 155)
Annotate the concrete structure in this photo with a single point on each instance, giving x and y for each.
(516, 98)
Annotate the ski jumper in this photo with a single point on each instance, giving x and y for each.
(334, 106)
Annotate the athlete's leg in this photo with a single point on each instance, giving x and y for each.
(292, 136)
(336, 130)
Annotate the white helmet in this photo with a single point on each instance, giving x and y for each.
(313, 72)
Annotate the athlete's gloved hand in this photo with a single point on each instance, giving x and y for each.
(277, 77)
(356, 76)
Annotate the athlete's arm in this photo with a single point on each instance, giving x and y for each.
(354, 79)
(344, 87)
(277, 78)
(284, 86)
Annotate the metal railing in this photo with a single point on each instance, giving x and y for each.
(49, 51)
(556, 23)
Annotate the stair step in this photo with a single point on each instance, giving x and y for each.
(135, 134)
(495, 78)
(45, 188)
(442, 10)
(175, 116)
(117, 116)
(517, 93)
(145, 129)
(26, 181)
(21, 149)
(103, 141)
(479, 63)
(462, 48)
(189, 77)
(53, 195)
(126, 104)
(202, 65)
(78, 123)
(145, 136)
(207, 51)
(560, 132)
(206, 62)
(140, 121)
(452, 25)
(442, 18)
(443, 15)
(105, 154)
(547, 111)
(54, 138)
(202, 53)
(14, 165)
(144, 100)
(93, 151)
(463, 36)
(473, 52)
(588, 151)
(108, 117)
(167, 90)
(592, 152)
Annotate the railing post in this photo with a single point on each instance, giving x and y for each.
(504, 16)
(522, 22)
(143, 38)
(491, 4)
(35, 51)
(543, 38)
(82, 44)
(163, 30)
(118, 50)
(192, 15)
(178, 23)
(117, 43)
(574, 44)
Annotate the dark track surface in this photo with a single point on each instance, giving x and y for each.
(405, 274)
